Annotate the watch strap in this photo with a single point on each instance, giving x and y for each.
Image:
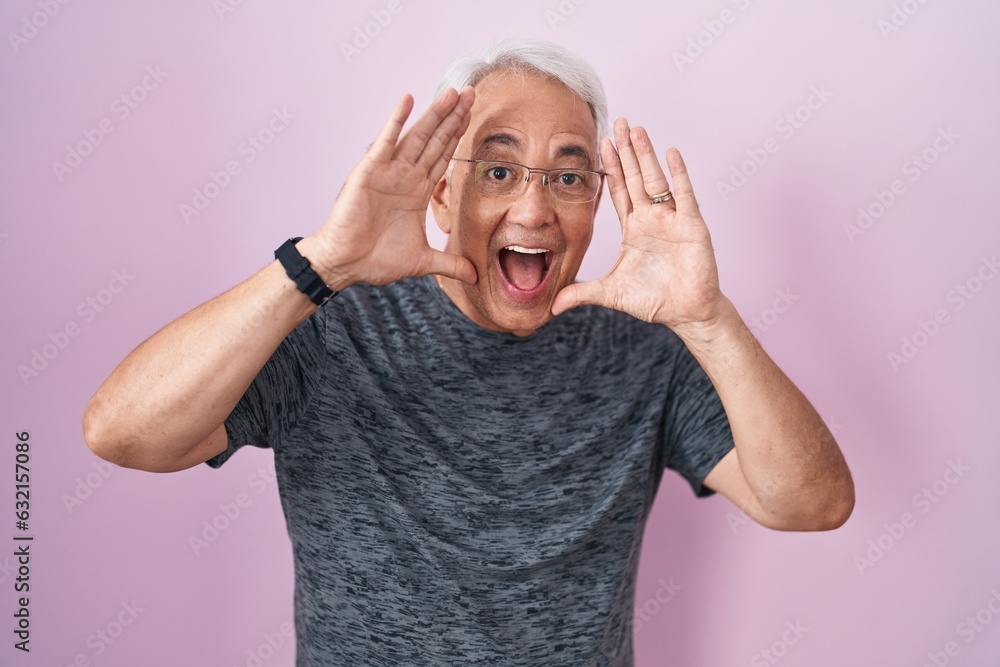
(302, 274)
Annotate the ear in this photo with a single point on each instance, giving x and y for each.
(441, 204)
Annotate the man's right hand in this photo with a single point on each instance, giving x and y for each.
(376, 231)
(164, 407)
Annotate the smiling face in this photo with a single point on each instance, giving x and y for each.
(538, 122)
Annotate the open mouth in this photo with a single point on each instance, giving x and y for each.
(524, 269)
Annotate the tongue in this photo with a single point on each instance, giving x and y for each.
(524, 271)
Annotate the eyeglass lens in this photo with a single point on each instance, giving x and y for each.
(504, 179)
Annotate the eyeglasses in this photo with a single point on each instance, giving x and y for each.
(497, 178)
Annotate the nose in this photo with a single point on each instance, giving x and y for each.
(534, 206)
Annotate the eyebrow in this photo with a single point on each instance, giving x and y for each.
(574, 150)
(501, 138)
(510, 141)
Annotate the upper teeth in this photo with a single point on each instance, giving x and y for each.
(529, 251)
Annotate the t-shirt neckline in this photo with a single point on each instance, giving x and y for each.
(453, 314)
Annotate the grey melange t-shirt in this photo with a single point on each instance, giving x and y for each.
(458, 496)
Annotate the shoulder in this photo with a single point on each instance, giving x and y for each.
(372, 304)
(630, 335)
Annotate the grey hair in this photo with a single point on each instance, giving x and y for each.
(534, 55)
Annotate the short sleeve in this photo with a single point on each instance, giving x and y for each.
(281, 392)
(696, 429)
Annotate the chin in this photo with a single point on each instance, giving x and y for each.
(498, 312)
(521, 323)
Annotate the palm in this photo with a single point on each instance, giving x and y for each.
(376, 231)
(669, 254)
(394, 243)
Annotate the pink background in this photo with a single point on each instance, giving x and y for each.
(727, 589)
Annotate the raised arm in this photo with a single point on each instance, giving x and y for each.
(786, 471)
(164, 407)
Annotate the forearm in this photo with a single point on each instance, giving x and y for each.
(176, 388)
(788, 457)
(164, 407)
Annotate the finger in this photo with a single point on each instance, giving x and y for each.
(437, 170)
(381, 149)
(653, 178)
(449, 130)
(616, 179)
(412, 144)
(449, 265)
(580, 294)
(683, 192)
(630, 164)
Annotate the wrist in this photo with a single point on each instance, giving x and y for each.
(314, 250)
(725, 328)
(721, 346)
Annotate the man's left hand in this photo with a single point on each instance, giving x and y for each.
(666, 269)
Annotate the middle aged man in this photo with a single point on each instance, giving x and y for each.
(466, 466)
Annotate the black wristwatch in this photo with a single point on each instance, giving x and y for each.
(301, 272)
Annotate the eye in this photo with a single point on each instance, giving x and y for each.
(571, 179)
(496, 172)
